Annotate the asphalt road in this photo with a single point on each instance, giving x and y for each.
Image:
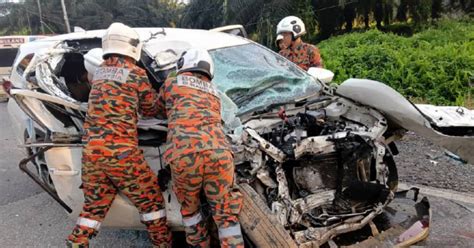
(422, 162)
(29, 218)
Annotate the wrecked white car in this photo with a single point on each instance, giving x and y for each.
(313, 161)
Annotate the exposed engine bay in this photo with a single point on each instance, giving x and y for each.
(325, 165)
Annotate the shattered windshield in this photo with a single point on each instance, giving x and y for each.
(253, 77)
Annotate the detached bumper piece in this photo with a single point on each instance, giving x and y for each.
(404, 222)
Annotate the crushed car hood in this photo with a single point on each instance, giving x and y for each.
(450, 127)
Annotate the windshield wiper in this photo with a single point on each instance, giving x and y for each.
(267, 108)
(242, 99)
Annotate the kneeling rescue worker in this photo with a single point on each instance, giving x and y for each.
(303, 54)
(198, 153)
(112, 161)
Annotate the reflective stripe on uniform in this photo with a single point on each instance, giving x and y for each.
(153, 215)
(230, 231)
(193, 220)
(81, 221)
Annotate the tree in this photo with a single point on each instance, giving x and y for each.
(436, 9)
(349, 15)
(10, 21)
(388, 9)
(420, 10)
(379, 13)
(402, 11)
(465, 5)
(329, 16)
(364, 8)
(259, 17)
(90, 14)
(204, 14)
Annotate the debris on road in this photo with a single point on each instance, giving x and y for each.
(423, 163)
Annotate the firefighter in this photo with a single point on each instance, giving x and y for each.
(112, 161)
(303, 54)
(198, 153)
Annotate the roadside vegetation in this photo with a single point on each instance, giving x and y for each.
(400, 42)
(435, 65)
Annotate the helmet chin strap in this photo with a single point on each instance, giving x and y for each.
(294, 40)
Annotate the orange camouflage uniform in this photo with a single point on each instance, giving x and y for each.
(112, 161)
(304, 55)
(200, 158)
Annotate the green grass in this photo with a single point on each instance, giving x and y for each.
(435, 65)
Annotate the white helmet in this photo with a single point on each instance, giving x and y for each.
(122, 39)
(196, 60)
(92, 61)
(291, 24)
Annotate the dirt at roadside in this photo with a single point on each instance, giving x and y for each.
(422, 162)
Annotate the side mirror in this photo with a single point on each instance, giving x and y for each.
(321, 74)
